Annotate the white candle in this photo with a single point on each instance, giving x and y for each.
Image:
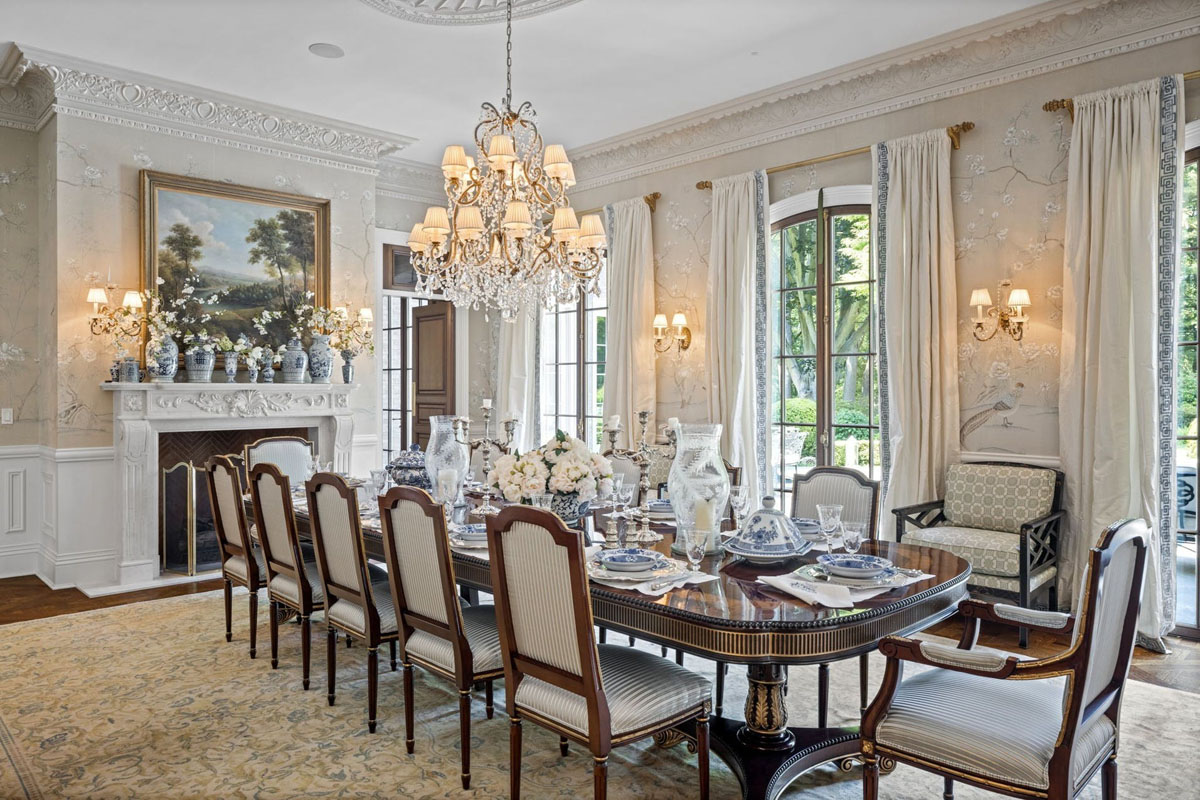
(704, 515)
(614, 422)
(447, 484)
(487, 402)
(672, 422)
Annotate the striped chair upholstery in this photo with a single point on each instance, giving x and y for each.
(436, 632)
(233, 537)
(556, 675)
(1025, 727)
(292, 454)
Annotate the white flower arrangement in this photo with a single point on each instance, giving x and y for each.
(251, 355)
(562, 465)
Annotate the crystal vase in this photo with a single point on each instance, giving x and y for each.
(445, 460)
(699, 483)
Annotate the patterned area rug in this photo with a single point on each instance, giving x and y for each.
(148, 700)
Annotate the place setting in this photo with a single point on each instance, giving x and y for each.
(645, 571)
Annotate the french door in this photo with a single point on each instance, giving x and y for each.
(1187, 388)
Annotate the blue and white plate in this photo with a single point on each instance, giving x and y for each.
(629, 559)
(760, 555)
(475, 532)
(846, 565)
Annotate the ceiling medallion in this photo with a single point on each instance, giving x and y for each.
(463, 12)
(507, 237)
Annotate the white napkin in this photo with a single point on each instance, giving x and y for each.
(831, 595)
(691, 578)
(820, 546)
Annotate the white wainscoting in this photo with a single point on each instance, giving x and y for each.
(20, 509)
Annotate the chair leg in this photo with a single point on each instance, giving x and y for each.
(489, 708)
(721, 667)
(372, 686)
(563, 745)
(679, 657)
(253, 623)
(1108, 778)
(305, 645)
(228, 611)
(864, 680)
(702, 753)
(822, 695)
(514, 758)
(948, 791)
(603, 635)
(393, 646)
(409, 712)
(274, 625)
(349, 641)
(1023, 638)
(633, 641)
(464, 735)
(331, 659)
(664, 651)
(600, 777)
(870, 778)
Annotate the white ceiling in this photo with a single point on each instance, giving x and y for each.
(593, 69)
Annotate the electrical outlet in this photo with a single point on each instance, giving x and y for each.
(6, 416)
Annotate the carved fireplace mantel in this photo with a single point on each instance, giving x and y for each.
(141, 411)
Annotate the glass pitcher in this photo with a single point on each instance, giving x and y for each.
(445, 460)
(699, 482)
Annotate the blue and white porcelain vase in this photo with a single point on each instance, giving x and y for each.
(199, 364)
(320, 359)
(163, 362)
(347, 367)
(295, 362)
(129, 370)
(569, 507)
(252, 371)
(268, 370)
(231, 359)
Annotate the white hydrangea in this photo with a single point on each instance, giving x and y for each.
(563, 465)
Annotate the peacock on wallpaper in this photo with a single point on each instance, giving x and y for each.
(259, 249)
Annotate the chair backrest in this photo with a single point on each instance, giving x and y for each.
(292, 454)
(421, 569)
(857, 494)
(229, 511)
(544, 609)
(1000, 496)
(337, 540)
(272, 494)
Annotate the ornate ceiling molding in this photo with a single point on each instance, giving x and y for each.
(410, 180)
(110, 95)
(463, 12)
(1046, 38)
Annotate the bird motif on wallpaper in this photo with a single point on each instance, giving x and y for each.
(1006, 403)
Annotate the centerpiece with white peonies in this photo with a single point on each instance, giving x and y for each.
(562, 467)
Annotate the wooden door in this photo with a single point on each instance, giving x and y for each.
(432, 365)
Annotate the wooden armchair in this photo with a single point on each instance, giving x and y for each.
(1002, 517)
(1039, 728)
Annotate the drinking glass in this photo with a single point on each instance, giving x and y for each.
(695, 542)
(853, 534)
(618, 485)
(739, 498)
(379, 479)
(626, 497)
(831, 523)
(542, 500)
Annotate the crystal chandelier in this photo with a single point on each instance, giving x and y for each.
(508, 237)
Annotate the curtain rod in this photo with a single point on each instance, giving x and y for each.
(651, 200)
(1069, 104)
(954, 132)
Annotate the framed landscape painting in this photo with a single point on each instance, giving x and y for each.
(262, 249)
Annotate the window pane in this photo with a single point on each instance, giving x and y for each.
(1185, 387)
(567, 376)
(799, 323)
(548, 343)
(800, 254)
(596, 335)
(594, 397)
(851, 247)
(852, 449)
(850, 318)
(566, 337)
(773, 276)
(1189, 238)
(851, 390)
(1187, 297)
(549, 381)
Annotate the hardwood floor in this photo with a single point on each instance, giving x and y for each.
(28, 598)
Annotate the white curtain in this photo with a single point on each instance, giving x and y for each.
(629, 379)
(735, 339)
(918, 318)
(1116, 401)
(517, 376)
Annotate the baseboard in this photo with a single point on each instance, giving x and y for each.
(166, 579)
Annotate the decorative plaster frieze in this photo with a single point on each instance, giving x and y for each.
(27, 101)
(410, 180)
(1018, 46)
(463, 12)
(12, 64)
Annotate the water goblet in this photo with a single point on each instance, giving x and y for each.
(739, 498)
(618, 484)
(830, 518)
(379, 479)
(853, 534)
(695, 543)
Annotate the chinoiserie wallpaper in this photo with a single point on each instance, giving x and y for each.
(19, 352)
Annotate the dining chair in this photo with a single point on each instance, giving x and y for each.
(292, 577)
(293, 455)
(241, 563)
(1008, 724)
(858, 496)
(353, 605)
(459, 644)
(555, 674)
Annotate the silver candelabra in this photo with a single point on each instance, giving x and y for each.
(463, 432)
(641, 457)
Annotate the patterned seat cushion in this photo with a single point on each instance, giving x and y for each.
(997, 498)
(284, 586)
(479, 625)
(236, 567)
(990, 552)
(1001, 729)
(1011, 585)
(352, 616)
(642, 689)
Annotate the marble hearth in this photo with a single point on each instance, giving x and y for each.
(144, 411)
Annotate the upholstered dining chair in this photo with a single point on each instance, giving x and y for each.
(241, 563)
(555, 674)
(353, 605)
(459, 644)
(293, 578)
(1021, 727)
(293, 456)
(858, 496)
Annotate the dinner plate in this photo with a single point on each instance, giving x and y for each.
(666, 568)
(758, 557)
(815, 572)
(475, 532)
(629, 559)
(468, 544)
(847, 565)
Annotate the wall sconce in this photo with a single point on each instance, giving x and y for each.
(681, 336)
(123, 320)
(1010, 318)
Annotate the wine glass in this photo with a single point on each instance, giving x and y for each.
(739, 498)
(831, 523)
(618, 485)
(379, 480)
(853, 534)
(695, 542)
(541, 500)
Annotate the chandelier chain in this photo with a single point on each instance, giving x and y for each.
(508, 72)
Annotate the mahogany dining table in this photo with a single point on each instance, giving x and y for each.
(737, 620)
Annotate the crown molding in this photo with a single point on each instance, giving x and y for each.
(1047, 37)
(123, 97)
(11, 64)
(402, 179)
